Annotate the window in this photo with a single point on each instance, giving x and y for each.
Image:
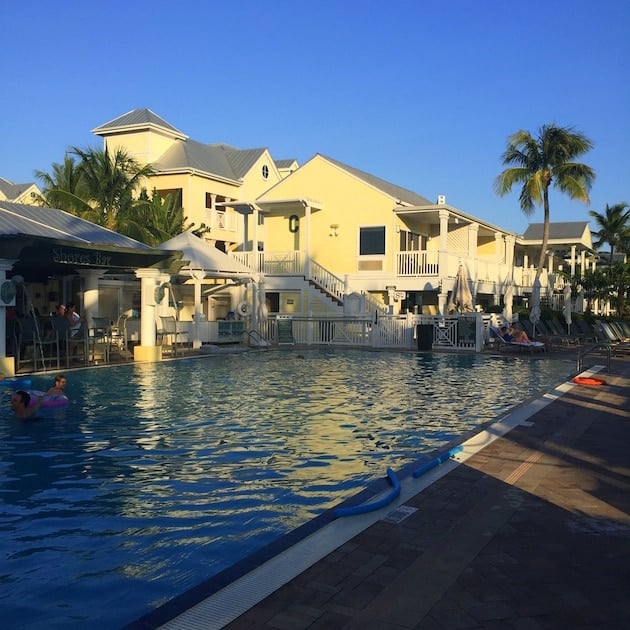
(412, 242)
(265, 171)
(372, 241)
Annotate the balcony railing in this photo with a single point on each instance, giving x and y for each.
(421, 263)
(408, 264)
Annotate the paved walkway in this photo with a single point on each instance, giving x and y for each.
(531, 532)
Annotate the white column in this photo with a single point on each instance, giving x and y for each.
(509, 252)
(197, 275)
(443, 249)
(572, 260)
(307, 239)
(499, 248)
(90, 293)
(256, 261)
(7, 364)
(147, 350)
(473, 233)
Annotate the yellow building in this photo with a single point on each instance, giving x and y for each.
(201, 175)
(325, 230)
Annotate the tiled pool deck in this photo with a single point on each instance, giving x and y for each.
(531, 531)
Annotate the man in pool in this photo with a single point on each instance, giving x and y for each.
(19, 403)
(59, 387)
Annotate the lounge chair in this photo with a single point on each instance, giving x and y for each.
(585, 331)
(519, 346)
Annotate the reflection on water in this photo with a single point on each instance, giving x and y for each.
(157, 476)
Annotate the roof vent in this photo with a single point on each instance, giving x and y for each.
(441, 200)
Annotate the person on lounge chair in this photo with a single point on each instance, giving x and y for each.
(520, 336)
(504, 334)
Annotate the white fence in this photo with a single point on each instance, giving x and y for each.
(409, 332)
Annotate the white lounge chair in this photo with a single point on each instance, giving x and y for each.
(520, 346)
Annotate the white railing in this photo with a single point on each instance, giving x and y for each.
(327, 281)
(421, 263)
(466, 332)
(223, 220)
(408, 264)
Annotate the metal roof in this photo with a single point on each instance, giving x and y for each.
(19, 218)
(137, 118)
(285, 163)
(396, 192)
(213, 159)
(566, 230)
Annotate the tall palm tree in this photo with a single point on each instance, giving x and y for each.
(545, 161)
(111, 180)
(614, 228)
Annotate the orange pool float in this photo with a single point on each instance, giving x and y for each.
(588, 380)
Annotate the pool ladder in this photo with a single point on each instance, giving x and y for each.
(255, 340)
(583, 353)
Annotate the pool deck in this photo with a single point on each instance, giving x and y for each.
(532, 531)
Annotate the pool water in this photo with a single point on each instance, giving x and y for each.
(158, 476)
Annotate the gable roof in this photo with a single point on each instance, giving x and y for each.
(564, 230)
(13, 191)
(213, 159)
(285, 163)
(396, 192)
(137, 119)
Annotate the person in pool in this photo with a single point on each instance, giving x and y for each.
(20, 405)
(59, 386)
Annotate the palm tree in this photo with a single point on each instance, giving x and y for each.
(163, 218)
(63, 188)
(545, 161)
(110, 181)
(614, 228)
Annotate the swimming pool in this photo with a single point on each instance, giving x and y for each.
(158, 476)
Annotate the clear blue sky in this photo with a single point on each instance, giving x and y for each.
(421, 93)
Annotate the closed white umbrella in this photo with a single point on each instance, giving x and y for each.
(508, 299)
(566, 311)
(534, 313)
(261, 310)
(461, 297)
(579, 301)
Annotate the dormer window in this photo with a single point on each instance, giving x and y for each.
(265, 171)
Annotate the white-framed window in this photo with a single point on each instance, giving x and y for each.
(265, 171)
(372, 241)
(371, 248)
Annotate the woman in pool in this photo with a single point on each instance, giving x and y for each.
(59, 386)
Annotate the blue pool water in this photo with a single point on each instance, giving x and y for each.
(158, 476)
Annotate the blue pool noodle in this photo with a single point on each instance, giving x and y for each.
(437, 461)
(375, 505)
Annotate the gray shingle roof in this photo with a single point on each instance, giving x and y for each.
(22, 219)
(137, 118)
(563, 230)
(405, 195)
